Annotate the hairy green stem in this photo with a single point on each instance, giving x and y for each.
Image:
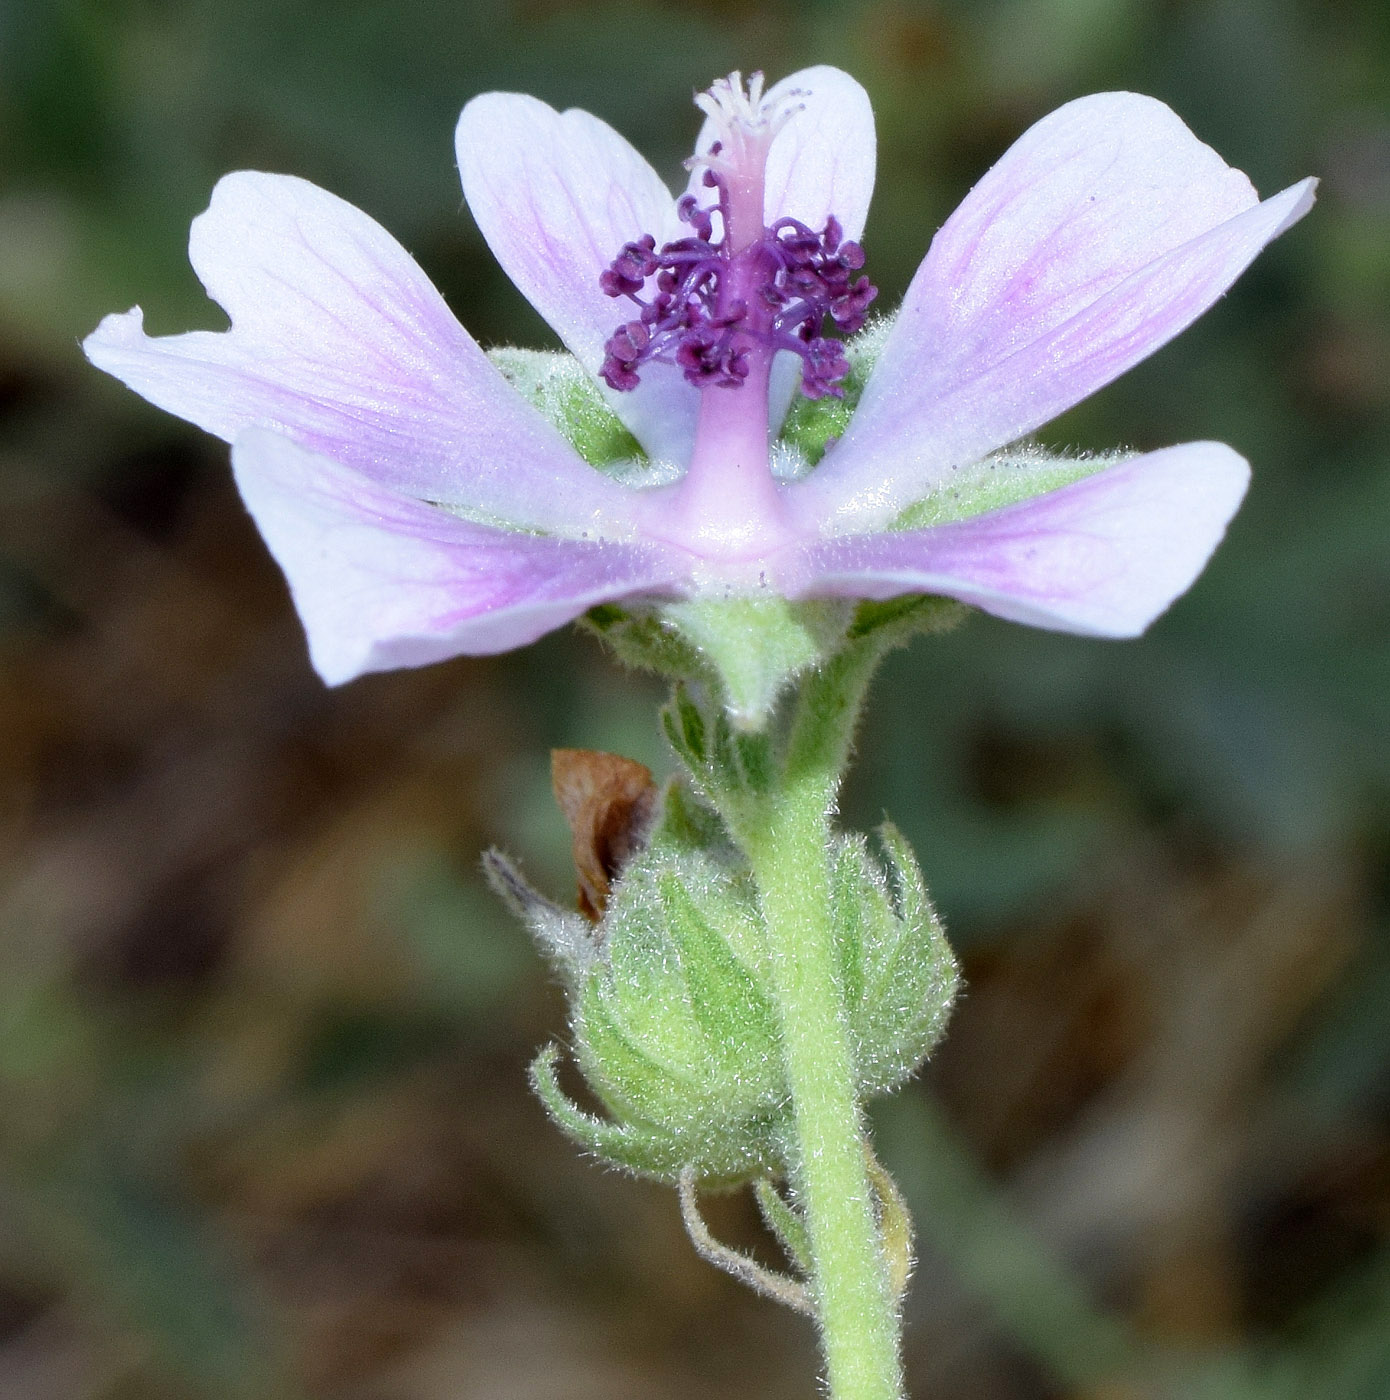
(787, 840)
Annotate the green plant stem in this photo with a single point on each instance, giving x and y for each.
(787, 840)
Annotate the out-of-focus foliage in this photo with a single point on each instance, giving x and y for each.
(262, 1033)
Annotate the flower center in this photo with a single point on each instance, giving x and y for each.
(734, 290)
(721, 303)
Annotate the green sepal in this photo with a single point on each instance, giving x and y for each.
(564, 936)
(642, 1150)
(1001, 479)
(862, 919)
(560, 387)
(757, 644)
(811, 424)
(893, 622)
(683, 722)
(910, 979)
(896, 972)
(688, 825)
(627, 1072)
(643, 639)
(647, 1150)
(727, 765)
(730, 1004)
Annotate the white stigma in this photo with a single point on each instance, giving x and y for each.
(745, 123)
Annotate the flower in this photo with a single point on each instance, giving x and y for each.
(421, 507)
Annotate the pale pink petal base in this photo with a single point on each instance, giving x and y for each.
(382, 581)
(1102, 557)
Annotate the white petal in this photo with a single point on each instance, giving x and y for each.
(1102, 557)
(382, 581)
(556, 195)
(339, 341)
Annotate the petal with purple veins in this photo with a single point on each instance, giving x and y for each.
(339, 341)
(382, 581)
(557, 195)
(1102, 557)
(1105, 230)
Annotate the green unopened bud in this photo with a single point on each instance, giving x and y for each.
(672, 1023)
(897, 973)
(673, 1027)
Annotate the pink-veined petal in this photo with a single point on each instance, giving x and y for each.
(556, 195)
(1105, 230)
(383, 581)
(339, 341)
(1102, 557)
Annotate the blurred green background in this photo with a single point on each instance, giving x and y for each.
(264, 1130)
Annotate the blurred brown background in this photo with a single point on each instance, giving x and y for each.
(264, 1130)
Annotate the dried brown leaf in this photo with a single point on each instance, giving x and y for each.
(609, 803)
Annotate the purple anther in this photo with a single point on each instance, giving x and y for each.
(735, 367)
(630, 341)
(851, 255)
(709, 308)
(624, 350)
(698, 355)
(689, 211)
(850, 308)
(825, 366)
(627, 273)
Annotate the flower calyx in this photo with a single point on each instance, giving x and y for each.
(673, 1024)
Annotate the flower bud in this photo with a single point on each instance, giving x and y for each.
(673, 1023)
(898, 975)
(673, 1027)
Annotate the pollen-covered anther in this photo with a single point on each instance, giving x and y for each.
(631, 268)
(624, 351)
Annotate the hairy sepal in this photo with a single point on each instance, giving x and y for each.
(1005, 478)
(756, 645)
(673, 1028)
(898, 975)
(559, 386)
